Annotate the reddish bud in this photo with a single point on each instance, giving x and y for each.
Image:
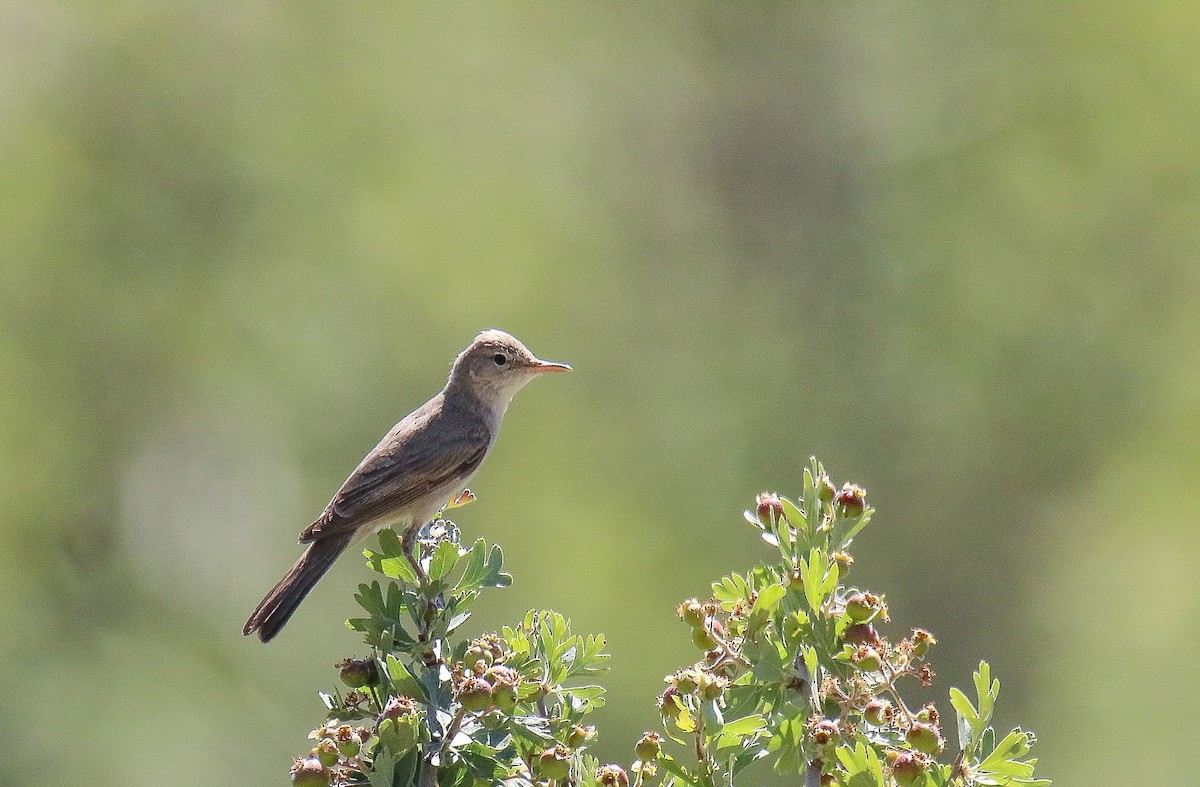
(862, 634)
(850, 500)
(612, 776)
(768, 508)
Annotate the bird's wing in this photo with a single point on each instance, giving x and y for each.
(406, 466)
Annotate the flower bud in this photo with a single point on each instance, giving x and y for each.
(867, 659)
(475, 694)
(394, 708)
(824, 731)
(357, 673)
(477, 659)
(768, 508)
(712, 686)
(612, 776)
(504, 696)
(924, 738)
(878, 712)
(825, 489)
(908, 767)
(851, 500)
(691, 612)
(844, 561)
(928, 714)
(702, 639)
(554, 763)
(862, 634)
(921, 639)
(649, 747)
(669, 703)
(863, 607)
(580, 734)
(326, 751)
(309, 772)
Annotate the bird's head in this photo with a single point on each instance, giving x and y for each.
(496, 365)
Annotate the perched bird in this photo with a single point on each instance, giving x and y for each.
(423, 462)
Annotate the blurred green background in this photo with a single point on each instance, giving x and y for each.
(951, 249)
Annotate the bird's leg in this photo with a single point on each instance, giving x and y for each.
(411, 551)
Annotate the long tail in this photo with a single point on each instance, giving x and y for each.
(274, 610)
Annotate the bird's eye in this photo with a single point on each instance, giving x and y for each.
(500, 359)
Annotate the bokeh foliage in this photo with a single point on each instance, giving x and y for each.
(950, 248)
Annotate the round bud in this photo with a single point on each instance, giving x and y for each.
(668, 703)
(309, 772)
(685, 681)
(554, 763)
(702, 639)
(326, 751)
(825, 489)
(768, 508)
(395, 707)
(612, 776)
(921, 639)
(924, 738)
(504, 696)
(878, 712)
(475, 694)
(477, 659)
(357, 673)
(862, 634)
(844, 561)
(928, 714)
(867, 659)
(691, 612)
(824, 731)
(862, 607)
(908, 767)
(580, 734)
(851, 500)
(649, 746)
(712, 686)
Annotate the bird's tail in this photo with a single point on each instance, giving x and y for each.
(274, 610)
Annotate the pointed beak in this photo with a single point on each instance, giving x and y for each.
(540, 367)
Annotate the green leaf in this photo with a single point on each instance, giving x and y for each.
(963, 705)
(402, 680)
(768, 599)
(476, 569)
(744, 726)
(444, 558)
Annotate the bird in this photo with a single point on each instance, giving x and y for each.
(421, 464)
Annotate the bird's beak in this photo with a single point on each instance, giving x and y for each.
(539, 367)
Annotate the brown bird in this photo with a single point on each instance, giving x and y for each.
(425, 460)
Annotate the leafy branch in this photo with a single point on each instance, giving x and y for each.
(796, 671)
